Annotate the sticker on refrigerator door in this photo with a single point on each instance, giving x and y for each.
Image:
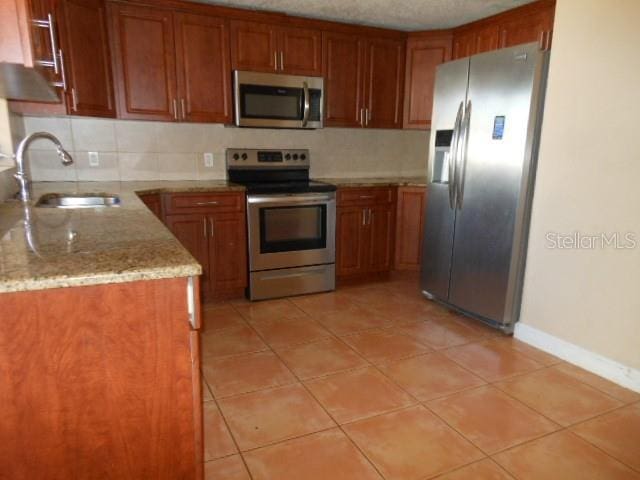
(498, 127)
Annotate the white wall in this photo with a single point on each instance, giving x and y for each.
(131, 150)
(589, 181)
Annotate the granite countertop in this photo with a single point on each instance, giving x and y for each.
(378, 181)
(51, 248)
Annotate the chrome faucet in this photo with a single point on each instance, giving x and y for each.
(21, 175)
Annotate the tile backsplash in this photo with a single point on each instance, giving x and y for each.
(133, 150)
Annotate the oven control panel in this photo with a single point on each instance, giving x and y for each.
(259, 158)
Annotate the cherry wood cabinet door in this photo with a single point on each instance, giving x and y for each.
(83, 32)
(254, 46)
(381, 238)
(227, 252)
(536, 27)
(191, 230)
(464, 44)
(343, 66)
(204, 70)
(301, 51)
(409, 228)
(384, 83)
(144, 62)
(424, 54)
(487, 39)
(153, 203)
(350, 241)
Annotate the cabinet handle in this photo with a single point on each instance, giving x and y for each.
(541, 39)
(211, 226)
(175, 109)
(368, 216)
(275, 61)
(281, 60)
(49, 23)
(367, 196)
(364, 217)
(362, 117)
(204, 227)
(182, 107)
(368, 117)
(74, 99)
(201, 204)
(62, 84)
(547, 45)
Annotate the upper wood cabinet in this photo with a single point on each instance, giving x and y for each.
(203, 68)
(265, 47)
(343, 65)
(424, 54)
(83, 35)
(170, 66)
(384, 83)
(536, 26)
(364, 80)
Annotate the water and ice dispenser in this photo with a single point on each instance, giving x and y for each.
(442, 156)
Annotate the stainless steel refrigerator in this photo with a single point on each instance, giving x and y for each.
(486, 121)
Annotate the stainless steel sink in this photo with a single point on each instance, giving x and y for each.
(86, 200)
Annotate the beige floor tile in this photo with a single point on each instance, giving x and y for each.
(617, 433)
(327, 455)
(231, 341)
(279, 332)
(441, 333)
(320, 358)
(490, 361)
(485, 469)
(411, 444)
(267, 416)
(354, 318)
(358, 394)
(563, 456)
(219, 317)
(268, 309)
(217, 441)
(558, 396)
(616, 391)
(430, 376)
(322, 303)
(245, 373)
(492, 420)
(383, 345)
(228, 468)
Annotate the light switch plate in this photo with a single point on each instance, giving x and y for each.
(208, 160)
(94, 159)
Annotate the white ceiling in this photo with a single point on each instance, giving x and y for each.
(407, 15)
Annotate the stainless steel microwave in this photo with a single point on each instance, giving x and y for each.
(277, 101)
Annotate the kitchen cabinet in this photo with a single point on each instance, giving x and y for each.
(364, 79)
(424, 53)
(170, 66)
(213, 228)
(83, 37)
(537, 26)
(265, 47)
(487, 39)
(153, 203)
(343, 65)
(365, 222)
(409, 227)
(101, 381)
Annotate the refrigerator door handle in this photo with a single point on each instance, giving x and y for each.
(462, 167)
(453, 155)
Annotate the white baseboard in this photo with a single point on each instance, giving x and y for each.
(605, 367)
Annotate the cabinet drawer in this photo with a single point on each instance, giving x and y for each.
(203, 202)
(365, 196)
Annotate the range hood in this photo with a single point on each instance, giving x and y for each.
(18, 82)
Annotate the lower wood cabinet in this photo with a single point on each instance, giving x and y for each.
(212, 227)
(101, 382)
(152, 201)
(365, 231)
(409, 227)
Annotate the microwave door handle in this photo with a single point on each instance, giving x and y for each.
(305, 115)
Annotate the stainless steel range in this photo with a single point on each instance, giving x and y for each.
(291, 222)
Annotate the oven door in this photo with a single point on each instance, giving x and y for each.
(280, 101)
(291, 230)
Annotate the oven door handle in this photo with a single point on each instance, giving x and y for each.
(307, 104)
(292, 199)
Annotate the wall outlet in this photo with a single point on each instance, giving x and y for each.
(94, 159)
(208, 160)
